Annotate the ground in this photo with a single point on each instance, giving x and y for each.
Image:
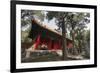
(48, 56)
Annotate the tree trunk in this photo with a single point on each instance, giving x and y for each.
(73, 41)
(79, 46)
(64, 42)
(74, 51)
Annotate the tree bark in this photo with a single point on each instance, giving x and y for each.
(74, 51)
(64, 42)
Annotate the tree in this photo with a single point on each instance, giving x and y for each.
(28, 15)
(26, 21)
(87, 43)
(71, 21)
(61, 23)
(77, 21)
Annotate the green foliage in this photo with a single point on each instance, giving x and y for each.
(28, 15)
(75, 22)
(71, 19)
(26, 19)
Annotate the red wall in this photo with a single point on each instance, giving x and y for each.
(52, 44)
